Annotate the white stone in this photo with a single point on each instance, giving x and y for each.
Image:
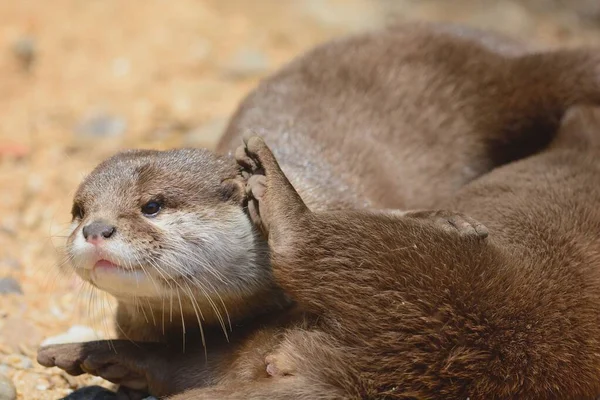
(7, 389)
(75, 334)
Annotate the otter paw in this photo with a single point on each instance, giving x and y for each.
(278, 365)
(453, 222)
(110, 366)
(249, 158)
(256, 186)
(273, 203)
(67, 357)
(95, 358)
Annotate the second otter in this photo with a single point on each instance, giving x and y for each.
(409, 310)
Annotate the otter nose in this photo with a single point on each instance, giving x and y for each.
(98, 230)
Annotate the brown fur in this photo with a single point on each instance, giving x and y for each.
(404, 117)
(401, 118)
(430, 314)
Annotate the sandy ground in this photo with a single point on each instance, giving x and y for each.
(80, 80)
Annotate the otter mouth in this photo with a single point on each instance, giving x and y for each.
(121, 281)
(105, 264)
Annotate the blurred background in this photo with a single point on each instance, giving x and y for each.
(82, 79)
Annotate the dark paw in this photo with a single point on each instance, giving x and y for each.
(118, 362)
(67, 357)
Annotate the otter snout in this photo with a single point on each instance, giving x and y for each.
(98, 230)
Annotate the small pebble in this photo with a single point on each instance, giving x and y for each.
(18, 361)
(102, 125)
(10, 285)
(42, 385)
(25, 49)
(7, 389)
(246, 63)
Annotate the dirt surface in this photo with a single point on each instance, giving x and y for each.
(80, 80)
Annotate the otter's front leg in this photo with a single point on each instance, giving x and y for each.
(277, 209)
(273, 204)
(306, 247)
(136, 366)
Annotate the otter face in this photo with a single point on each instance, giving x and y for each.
(153, 223)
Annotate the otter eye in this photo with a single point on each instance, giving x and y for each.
(77, 211)
(151, 208)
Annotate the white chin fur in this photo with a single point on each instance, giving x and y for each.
(125, 283)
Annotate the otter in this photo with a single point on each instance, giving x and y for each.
(396, 119)
(410, 309)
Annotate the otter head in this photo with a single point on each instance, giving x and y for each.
(154, 224)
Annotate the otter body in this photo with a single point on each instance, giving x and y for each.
(402, 118)
(397, 119)
(432, 313)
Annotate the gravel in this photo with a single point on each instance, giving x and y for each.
(10, 285)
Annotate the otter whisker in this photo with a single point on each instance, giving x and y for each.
(105, 325)
(151, 311)
(184, 274)
(153, 283)
(138, 301)
(194, 302)
(125, 335)
(171, 307)
(99, 297)
(214, 307)
(138, 304)
(52, 275)
(162, 273)
(224, 307)
(182, 319)
(183, 251)
(191, 258)
(139, 263)
(197, 283)
(196, 310)
(163, 297)
(90, 298)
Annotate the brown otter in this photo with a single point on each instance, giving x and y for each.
(165, 232)
(409, 310)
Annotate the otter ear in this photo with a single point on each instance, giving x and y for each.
(234, 190)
